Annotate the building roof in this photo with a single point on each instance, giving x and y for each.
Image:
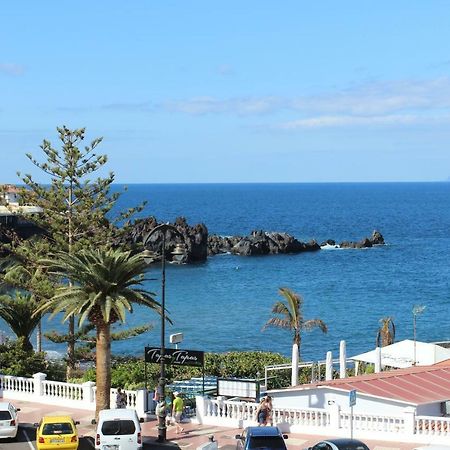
(414, 385)
(401, 354)
(9, 188)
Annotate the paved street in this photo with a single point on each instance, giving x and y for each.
(193, 436)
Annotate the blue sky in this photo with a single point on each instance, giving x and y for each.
(232, 91)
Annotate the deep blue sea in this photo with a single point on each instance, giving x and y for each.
(222, 304)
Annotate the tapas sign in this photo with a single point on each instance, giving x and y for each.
(176, 357)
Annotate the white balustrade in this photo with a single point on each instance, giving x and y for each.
(74, 395)
(433, 426)
(330, 421)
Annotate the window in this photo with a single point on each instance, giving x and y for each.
(57, 428)
(272, 442)
(5, 415)
(118, 427)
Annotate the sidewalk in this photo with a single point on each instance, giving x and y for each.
(193, 436)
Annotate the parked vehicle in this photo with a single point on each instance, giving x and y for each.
(57, 433)
(118, 429)
(339, 444)
(9, 422)
(269, 438)
(433, 447)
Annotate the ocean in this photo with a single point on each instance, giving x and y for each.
(222, 304)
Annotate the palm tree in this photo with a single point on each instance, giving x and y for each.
(18, 312)
(289, 315)
(105, 285)
(386, 332)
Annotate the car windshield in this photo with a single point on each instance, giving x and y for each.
(5, 415)
(57, 428)
(118, 427)
(351, 446)
(267, 442)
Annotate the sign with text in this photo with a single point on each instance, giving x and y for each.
(352, 397)
(176, 357)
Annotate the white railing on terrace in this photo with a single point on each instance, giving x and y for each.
(433, 426)
(331, 421)
(81, 396)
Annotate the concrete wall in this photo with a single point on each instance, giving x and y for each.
(324, 397)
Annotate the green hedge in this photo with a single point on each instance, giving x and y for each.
(129, 372)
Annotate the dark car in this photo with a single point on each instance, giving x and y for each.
(261, 438)
(340, 444)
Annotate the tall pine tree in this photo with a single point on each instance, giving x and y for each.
(75, 209)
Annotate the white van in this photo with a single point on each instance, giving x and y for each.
(118, 429)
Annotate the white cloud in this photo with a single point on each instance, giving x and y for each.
(12, 69)
(211, 105)
(344, 121)
(371, 99)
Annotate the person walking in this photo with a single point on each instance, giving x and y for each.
(263, 412)
(177, 411)
(121, 399)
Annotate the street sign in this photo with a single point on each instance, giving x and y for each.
(352, 397)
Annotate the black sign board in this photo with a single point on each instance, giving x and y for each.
(176, 357)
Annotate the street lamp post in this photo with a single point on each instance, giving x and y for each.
(149, 257)
(417, 310)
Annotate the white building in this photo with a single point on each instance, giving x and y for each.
(426, 389)
(10, 208)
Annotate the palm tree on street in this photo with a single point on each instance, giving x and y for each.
(105, 285)
(288, 314)
(18, 313)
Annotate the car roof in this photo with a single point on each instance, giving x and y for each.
(5, 405)
(433, 447)
(120, 413)
(263, 431)
(344, 441)
(56, 419)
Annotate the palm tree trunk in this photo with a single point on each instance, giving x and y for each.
(103, 361)
(39, 337)
(70, 370)
(295, 360)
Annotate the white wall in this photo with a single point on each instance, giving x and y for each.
(323, 397)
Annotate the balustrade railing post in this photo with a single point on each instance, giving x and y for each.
(409, 414)
(141, 395)
(38, 380)
(200, 408)
(335, 416)
(88, 392)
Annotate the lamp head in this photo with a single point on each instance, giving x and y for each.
(148, 256)
(179, 253)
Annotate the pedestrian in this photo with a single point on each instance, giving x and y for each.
(263, 411)
(121, 399)
(177, 411)
(269, 410)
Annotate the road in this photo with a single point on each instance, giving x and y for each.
(26, 440)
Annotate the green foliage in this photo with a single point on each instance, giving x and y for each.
(14, 360)
(107, 284)
(74, 208)
(17, 311)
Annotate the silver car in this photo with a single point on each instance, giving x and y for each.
(9, 422)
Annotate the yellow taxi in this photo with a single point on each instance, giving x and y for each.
(57, 433)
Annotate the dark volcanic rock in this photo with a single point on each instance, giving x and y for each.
(259, 243)
(194, 238)
(376, 239)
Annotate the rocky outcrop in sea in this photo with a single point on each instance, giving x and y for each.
(199, 244)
